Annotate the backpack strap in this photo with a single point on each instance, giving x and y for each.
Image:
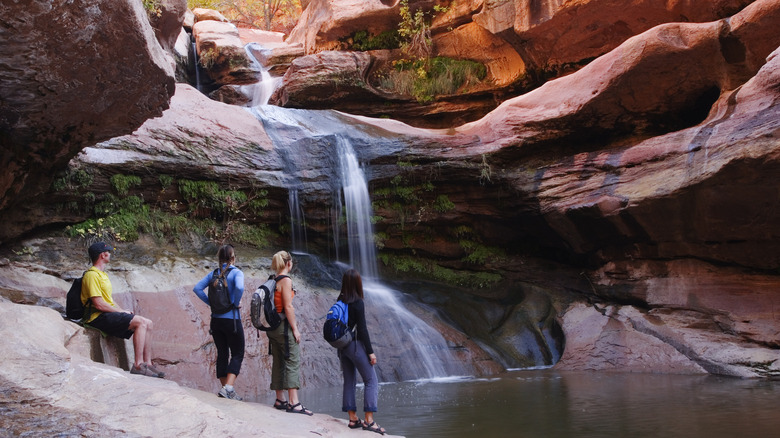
(276, 279)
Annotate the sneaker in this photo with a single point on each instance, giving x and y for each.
(159, 373)
(143, 370)
(229, 393)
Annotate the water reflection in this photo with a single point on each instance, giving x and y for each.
(545, 403)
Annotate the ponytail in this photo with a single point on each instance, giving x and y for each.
(280, 260)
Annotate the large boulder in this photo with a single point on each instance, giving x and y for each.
(324, 22)
(46, 374)
(276, 58)
(166, 19)
(314, 81)
(64, 85)
(618, 92)
(221, 54)
(471, 41)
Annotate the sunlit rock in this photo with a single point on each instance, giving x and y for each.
(221, 54)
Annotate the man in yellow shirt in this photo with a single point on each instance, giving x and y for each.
(103, 314)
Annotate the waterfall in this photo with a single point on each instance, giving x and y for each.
(261, 92)
(197, 67)
(409, 349)
(357, 211)
(297, 223)
(425, 350)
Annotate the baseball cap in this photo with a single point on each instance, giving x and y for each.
(98, 248)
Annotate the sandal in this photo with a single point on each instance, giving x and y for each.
(282, 405)
(373, 427)
(356, 424)
(302, 410)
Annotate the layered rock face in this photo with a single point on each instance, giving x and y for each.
(627, 212)
(521, 44)
(62, 93)
(602, 174)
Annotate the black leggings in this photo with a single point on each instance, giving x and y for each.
(230, 345)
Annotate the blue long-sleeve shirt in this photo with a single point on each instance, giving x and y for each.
(235, 282)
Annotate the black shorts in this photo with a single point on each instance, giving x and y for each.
(114, 323)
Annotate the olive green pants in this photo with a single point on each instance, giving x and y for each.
(286, 353)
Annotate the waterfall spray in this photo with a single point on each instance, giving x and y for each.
(426, 352)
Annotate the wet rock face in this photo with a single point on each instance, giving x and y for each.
(62, 93)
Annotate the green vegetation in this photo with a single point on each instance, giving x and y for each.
(429, 269)
(153, 8)
(362, 41)
(208, 196)
(476, 252)
(121, 183)
(73, 180)
(417, 74)
(219, 214)
(442, 204)
(166, 181)
(485, 172)
(403, 196)
(424, 79)
(208, 58)
(415, 31)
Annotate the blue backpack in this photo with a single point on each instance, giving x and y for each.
(336, 329)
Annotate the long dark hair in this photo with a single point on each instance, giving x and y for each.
(351, 286)
(226, 254)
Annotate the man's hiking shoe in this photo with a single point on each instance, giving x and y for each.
(145, 370)
(229, 393)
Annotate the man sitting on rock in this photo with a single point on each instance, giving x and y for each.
(103, 314)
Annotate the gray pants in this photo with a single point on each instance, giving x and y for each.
(354, 359)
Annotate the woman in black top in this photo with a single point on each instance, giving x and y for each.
(358, 356)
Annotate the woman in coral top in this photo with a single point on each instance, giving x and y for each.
(285, 340)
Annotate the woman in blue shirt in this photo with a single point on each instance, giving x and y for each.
(226, 328)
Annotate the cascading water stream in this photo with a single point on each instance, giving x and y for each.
(261, 92)
(429, 353)
(357, 211)
(410, 348)
(297, 223)
(197, 67)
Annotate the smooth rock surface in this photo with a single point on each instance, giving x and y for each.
(64, 85)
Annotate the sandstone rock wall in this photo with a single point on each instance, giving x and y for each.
(598, 173)
(64, 85)
(50, 386)
(638, 193)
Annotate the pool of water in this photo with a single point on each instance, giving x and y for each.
(550, 404)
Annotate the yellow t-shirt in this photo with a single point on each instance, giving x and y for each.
(96, 284)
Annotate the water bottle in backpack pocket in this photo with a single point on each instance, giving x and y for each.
(336, 329)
